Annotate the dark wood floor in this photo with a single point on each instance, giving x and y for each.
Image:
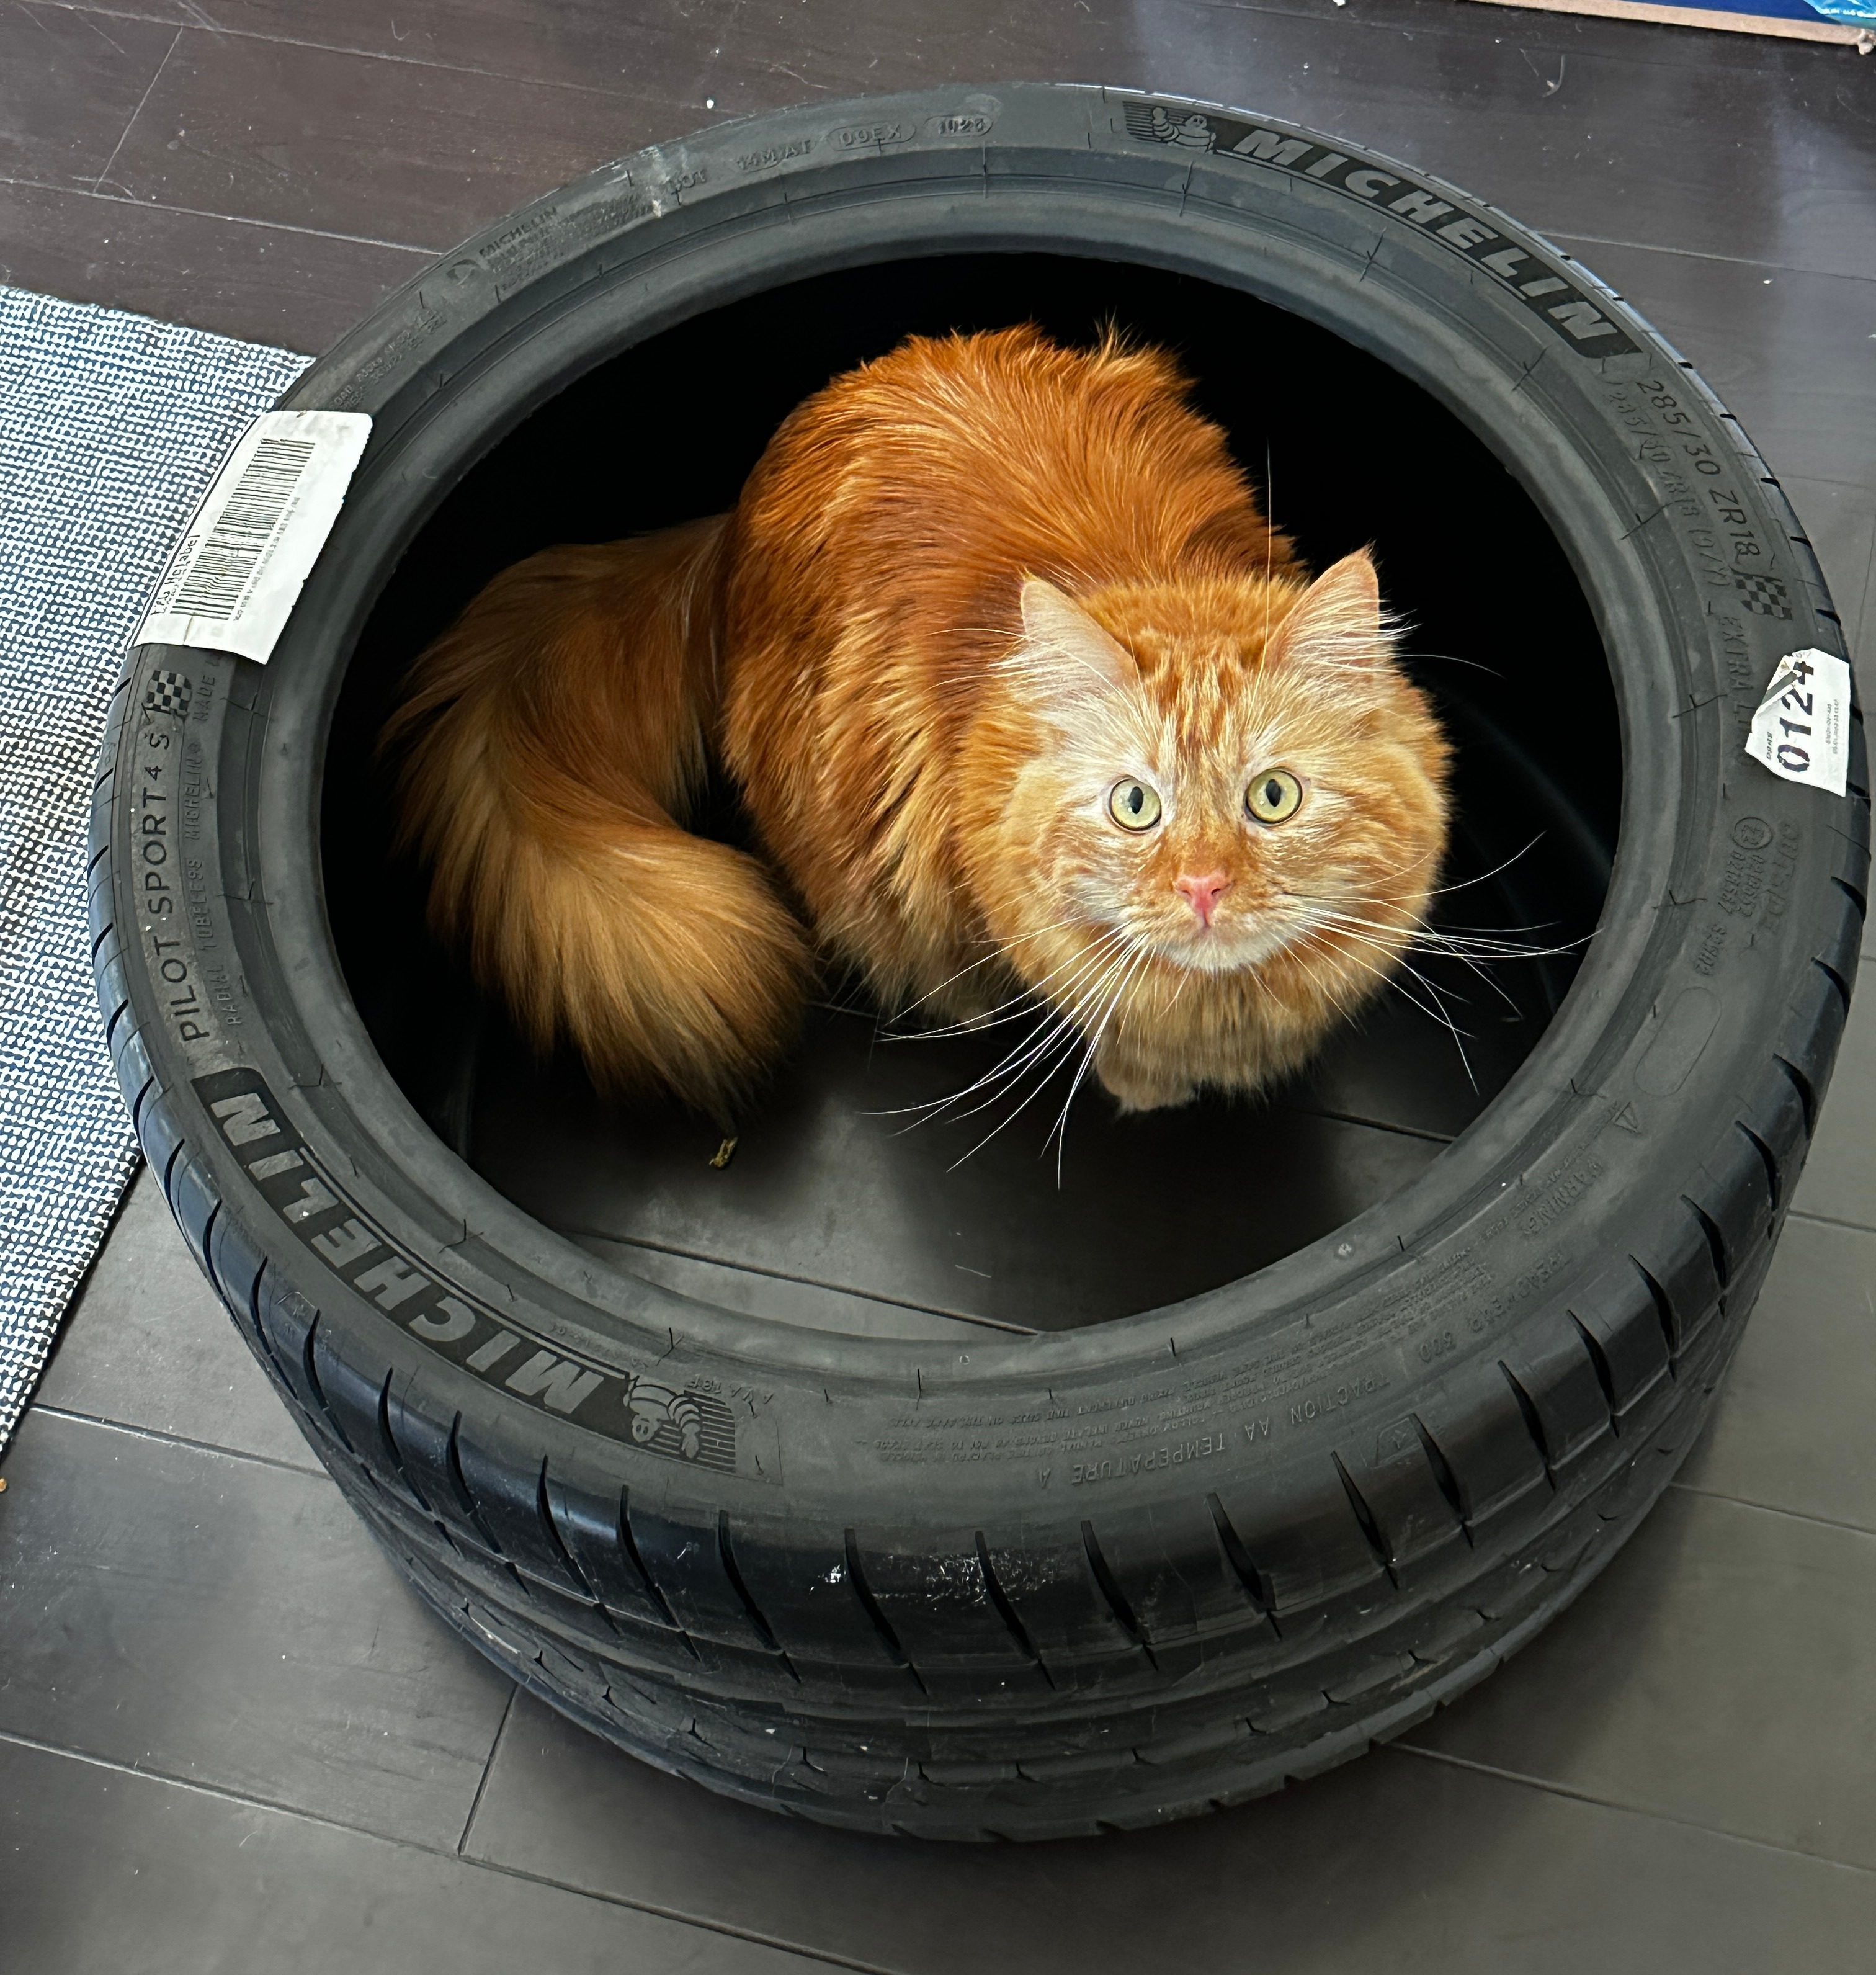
(228, 1737)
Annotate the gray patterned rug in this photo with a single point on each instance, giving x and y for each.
(111, 425)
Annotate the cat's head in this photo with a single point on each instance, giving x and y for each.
(1226, 769)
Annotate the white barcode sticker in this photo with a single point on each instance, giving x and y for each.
(238, 571)
(1801, 730)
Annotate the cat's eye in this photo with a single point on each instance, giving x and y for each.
(1133, 805)
(1275, 797)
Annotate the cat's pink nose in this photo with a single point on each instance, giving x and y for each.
(1202, 894)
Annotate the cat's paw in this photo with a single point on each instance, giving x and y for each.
(1134, 1088)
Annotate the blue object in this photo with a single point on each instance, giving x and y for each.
(1846, 13)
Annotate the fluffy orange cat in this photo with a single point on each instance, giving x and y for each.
(1025, 698)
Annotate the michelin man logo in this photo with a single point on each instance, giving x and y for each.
(682, 1425)
(1149, 120)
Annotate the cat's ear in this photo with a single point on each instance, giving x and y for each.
(1066, 658)
(1338, 621)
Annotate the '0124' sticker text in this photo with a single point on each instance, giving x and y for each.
(1802, 729)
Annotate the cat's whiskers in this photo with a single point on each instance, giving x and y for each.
(994, 1017)
(1396, 956)
(1491, 942)
(1270, 551)
(1054, 1038)
(1452, 658)
(999, 950)
(1419, 943)
(1455, 942)
(1103, 995)
(1059, 1048)
(1463, 885)
(1458, 943)
(1504, 864)
(1436, 1013)
(1056, 1021)
(1020, 1055)
(1473, 950)
(1102, 976)
(1060, 1132)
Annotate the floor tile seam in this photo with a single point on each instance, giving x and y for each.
(1550, 1787)
(227, 219)
(1831, 1220)
(832, 1957)
(113, 13)
(1563, 236)
(221, 1792)
(469, 1861)
(1868, 591)
(1828, 480)
(123, 135)
(214, 31)
(488, 1766)
(138, 1165)
(1624, 58)
(312, 1471)
(1774, 1509)
(95, 191)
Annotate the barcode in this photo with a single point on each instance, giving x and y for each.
(242, 530)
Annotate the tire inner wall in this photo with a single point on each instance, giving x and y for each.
(1350, 452)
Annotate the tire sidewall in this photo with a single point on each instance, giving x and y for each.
(1727, 888)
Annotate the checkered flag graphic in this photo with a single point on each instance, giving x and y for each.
(1764, 595)
(170, 692)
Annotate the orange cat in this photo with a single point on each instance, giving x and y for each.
(1023, 696)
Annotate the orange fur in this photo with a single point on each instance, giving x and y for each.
(967, 588)
(552, 739)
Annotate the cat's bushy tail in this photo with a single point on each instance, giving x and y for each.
(547, 744)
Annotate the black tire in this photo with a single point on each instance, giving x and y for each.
(1116, 1576)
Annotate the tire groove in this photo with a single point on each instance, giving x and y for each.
(862, 1591)
(1256, 1585)
(726, 1555)
(1533, 1421)
(1370, 1526)
(1110, 1589)
(629, 1548)
(543, 1506)
(1599, 1364)
(1774, 1186)
(1007, 1612)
